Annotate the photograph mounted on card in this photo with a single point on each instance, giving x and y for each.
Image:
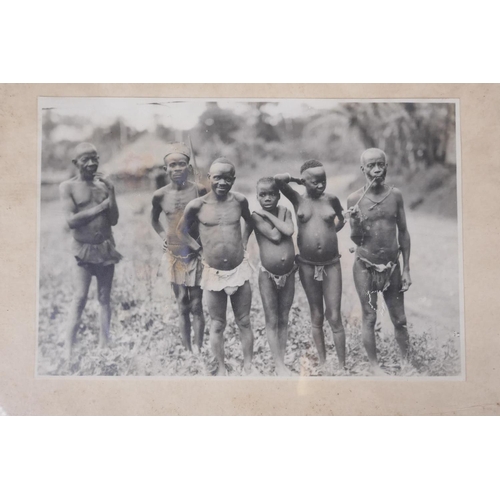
(250, 238)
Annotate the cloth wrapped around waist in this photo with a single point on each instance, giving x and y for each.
(380, 273)
(217, 280)
(103, 253)
(319, 267)
(279, 279)
(182, 270)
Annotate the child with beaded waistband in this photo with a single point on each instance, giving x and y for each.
(274, 229)
(319, 259)
(184, 266)
(378, 227)
(226, 269)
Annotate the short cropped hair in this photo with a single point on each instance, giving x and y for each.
(372, 150)
(223, 160)
(270, 181)
(83, 147)
(310, 164)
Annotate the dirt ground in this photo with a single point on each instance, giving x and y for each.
(146, 340)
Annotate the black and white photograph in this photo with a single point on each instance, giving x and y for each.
(249, 238)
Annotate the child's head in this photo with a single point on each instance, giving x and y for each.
(314, 177)
(222, 176)
(268, 193)
(177, 161)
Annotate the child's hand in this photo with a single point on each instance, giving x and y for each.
(283, 177)
(262, 213)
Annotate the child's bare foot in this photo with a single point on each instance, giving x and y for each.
(377, 371)
(250, 371)
(221, 371)
(283, 371)
(341, 371)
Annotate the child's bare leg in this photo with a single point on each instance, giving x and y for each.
(182, 296)
(269, 295)
(217, 305)
(362, 281)
(241, 301)
(81, 283)
(332, 293)
(196, 307)
(314, 294)
(396, 306)
(104, 283)
(285, 300)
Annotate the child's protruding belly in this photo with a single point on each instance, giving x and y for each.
(317, 240)
(277, 259)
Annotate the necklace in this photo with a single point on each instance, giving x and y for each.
(375, 203)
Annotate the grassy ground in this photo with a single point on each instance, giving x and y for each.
(146, 340)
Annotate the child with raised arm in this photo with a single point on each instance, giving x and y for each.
(273, 227)
(318, 259)
(226, 269)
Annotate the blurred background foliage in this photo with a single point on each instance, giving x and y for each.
(419, 139)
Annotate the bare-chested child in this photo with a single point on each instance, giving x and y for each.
(274, 229)
(226, 268)
(184, 265)
(378, 227)
(319, 218)
(90, 207)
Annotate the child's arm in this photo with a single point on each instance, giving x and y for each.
(285, 226)
(263, 228)
(337, 206)
(283, 180)
(188, 219)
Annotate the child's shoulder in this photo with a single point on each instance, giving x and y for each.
(282, 210)
(331, 197)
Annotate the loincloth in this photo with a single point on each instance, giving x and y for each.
(319, 267)
(217, 280)
(279, 279)
(93, 256)
(183, 270)
(380, 274)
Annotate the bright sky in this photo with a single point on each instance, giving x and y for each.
(145, 113)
